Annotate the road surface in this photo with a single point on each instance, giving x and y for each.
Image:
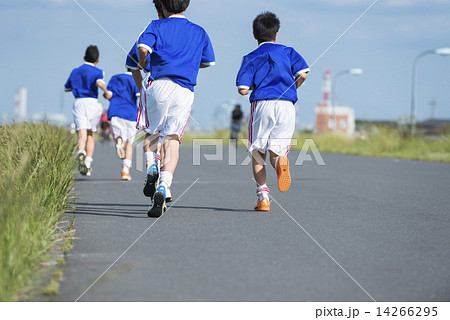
(357, 229)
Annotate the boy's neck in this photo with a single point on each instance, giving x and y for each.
(171, 14)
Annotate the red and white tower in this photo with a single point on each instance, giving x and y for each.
(326, 88)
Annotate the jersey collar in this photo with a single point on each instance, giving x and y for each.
(265, 43)
(177, 16)
(88, 63)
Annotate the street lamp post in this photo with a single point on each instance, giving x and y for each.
(355, 72)
(442, 52)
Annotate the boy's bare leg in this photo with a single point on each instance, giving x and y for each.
(90, 144)
(171, 149)
(151, 143)
(128, 151)
(82, 138)
(273, 159)
(259, 168)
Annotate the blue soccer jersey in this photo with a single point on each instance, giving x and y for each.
(271, 70)
(83, 81)
(124, 99)
(178, 48)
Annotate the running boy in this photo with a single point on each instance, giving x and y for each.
(132, 63)
(271, 71)
(84, 83)
(177, 49)
(122, 113)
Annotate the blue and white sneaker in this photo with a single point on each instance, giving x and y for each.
(159, 203)
(151, 180)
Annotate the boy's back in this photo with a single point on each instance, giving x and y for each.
(271, 70)
(83, 81)
(178, 48)
(123, 101)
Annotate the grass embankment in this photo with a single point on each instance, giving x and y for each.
(383, 142)
(377, 142)
(36, 180)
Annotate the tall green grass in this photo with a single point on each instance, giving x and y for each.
(383, 142)
(36, 180)
(376, 142)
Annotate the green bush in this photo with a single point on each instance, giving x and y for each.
(36, 180)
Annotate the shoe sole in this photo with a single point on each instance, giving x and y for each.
(284, 176)
(82, 165)
(262, 210)
(158, 206)
(150, 185)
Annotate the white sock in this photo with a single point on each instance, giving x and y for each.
(166, 179)
(81, 152)
(262, 192)
(148, 159)
(126, 165)
(151, 158)
(89, 162)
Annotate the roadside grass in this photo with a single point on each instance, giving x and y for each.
(383, 142)
(377, 142)
(36, 183)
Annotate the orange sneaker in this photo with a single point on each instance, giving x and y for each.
(126, 176)
(263, 205)
(284, 177)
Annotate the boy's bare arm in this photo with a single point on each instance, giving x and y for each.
(300, 79)
(107, 95)
(243, 92)
(137, 76)
(143, 62)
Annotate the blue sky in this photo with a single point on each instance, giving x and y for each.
(43, 40)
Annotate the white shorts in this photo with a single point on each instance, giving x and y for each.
(86, 114)
(168, 107)
(123, 128)
(271, 126)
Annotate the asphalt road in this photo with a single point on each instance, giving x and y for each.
(357, 229)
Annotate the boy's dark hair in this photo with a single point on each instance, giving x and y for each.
(158, 6)
(92, 54)
(176, 6)
(265, 26)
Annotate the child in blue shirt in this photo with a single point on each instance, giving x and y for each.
(84, 83)
(274, 72)
(177, 49)
(122, 113)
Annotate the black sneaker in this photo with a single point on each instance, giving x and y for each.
(150, 181)
(159, 203)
